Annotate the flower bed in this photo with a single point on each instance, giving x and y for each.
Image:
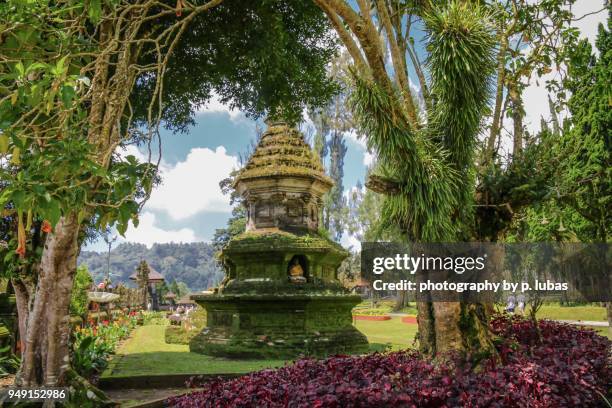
(94, 343)
(568, 368)
(409, 319)
(371, 318)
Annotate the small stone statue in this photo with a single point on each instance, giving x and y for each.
(296, 273)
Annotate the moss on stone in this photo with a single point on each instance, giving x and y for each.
(282, 151)
(281, 240)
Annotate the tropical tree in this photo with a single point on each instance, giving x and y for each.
(583, 179)
(426, 151)
(576, 155)
(425, 168)
(531, 38)
(99, 75)
(583, 171)
(331, 122)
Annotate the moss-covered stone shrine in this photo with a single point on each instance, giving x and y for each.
(281, 296)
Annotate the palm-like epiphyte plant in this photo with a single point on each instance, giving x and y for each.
(425, 164)
(426, 169)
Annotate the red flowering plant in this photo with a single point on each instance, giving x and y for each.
(96, 342)
(569, 368)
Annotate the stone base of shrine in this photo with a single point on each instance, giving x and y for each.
(278, 326)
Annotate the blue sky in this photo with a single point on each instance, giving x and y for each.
(188, 206)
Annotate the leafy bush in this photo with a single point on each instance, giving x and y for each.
(154, 318)
(90, 354)
(9, 363)
(188, 329)
(94, 344)
(568, 368)
(82, 284)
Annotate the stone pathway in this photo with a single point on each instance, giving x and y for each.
(585, 323)
(136, 397)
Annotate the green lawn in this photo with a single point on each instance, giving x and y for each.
(399, 335)
(548, 311)
(146, 353)
(593, 313)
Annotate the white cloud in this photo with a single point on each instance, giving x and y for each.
(354, 137)
(368, 158)
(359, 142)
(192, 186)
(132, 150)
(214, 105)
(147, 233)
(349, 241)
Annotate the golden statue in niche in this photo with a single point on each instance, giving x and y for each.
(296, 272)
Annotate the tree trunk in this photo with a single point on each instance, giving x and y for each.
(427, 331)
(517, 118)
(24, 287)
(454, 326)
(499, 93)
(400, 300)
(609, 311)
(45, 358)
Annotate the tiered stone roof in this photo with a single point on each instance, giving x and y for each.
(282, 151)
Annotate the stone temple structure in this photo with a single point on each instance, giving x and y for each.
(281, 297)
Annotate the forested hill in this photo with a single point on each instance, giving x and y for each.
(194, 264)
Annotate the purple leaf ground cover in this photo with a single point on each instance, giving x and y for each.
(570, 367)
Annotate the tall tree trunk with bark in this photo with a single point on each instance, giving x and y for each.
(454, 326)
(517, 117)
(120, 36)
(45, 356)
(24, 287)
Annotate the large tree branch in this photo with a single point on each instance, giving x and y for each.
(398, 59)
(345, 36)
(367, 35)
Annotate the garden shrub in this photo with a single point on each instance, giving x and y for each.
(82, 284)
(93, 345)
(569, 368)
(9, 362)
(154, 318)
(371, 312)
(185, 332)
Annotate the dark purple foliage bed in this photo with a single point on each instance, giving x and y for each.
(571, 368)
